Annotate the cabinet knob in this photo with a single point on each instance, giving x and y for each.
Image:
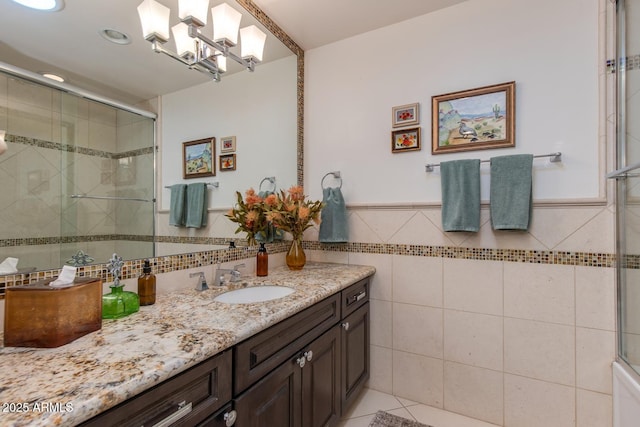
(230, 418)
(301, 361)
(308, 355)
(345, 325)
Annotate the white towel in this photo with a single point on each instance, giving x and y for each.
(9, 266)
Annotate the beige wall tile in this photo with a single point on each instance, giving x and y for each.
(539, 292)
(381, 369)
(418, 378)
(533, 403)
(360, 231)
(597, 235)
(102, 136)
(539, 350)
(632, 299)
(35, 95)
(384, 223)
(595, 351)
(29, 121)
(417, 280)
(380, 286)
(595, 298)
(473, 339)
(594, 409)
(474, 392)
(419, 230)
(417, 329)
(381, 323)
(473, 285)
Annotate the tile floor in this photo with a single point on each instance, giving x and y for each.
(370, 401)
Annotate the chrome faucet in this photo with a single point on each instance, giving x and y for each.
(220, 272)
(202, 282)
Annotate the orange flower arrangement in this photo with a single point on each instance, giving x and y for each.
(291, 212)
(249, 214)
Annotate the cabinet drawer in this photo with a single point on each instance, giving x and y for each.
(261, 353)
(188, 398)
(354, 297)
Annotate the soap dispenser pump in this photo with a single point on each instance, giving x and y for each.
(147, 285)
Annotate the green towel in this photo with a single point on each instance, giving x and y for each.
(334, 224)
(196, 205)
(176, 208)
(511, 192)
(460, 181)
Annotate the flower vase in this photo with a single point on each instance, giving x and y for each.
(296, 258)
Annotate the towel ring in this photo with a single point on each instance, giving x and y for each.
(271, 179)
(335, 174)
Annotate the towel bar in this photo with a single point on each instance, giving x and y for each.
(336, 175)
(554, 158)
(215, 184)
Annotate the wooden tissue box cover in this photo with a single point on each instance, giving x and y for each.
(39, 315)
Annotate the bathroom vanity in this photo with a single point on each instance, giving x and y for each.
(190, 360)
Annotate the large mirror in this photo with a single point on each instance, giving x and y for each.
(262, 110)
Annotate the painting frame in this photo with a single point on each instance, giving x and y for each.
(466, 121)
(401, 140)
(198, 158)
(405, 115)
(227, 144)
(227, 162)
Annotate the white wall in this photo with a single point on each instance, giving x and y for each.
(548, 47)
(250, 106)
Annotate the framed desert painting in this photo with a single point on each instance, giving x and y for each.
(474, 119)
(197, 158)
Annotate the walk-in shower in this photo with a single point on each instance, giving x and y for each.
(627, 176)
(77, 178)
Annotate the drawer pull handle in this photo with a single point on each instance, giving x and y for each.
(301, 361)
(345, 325)
(230, 418)
(357, 298)
(183, 409)
(309, 355)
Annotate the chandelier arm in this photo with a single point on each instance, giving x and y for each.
(158, 48)
(223, 49)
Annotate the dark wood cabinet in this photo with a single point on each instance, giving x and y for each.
(304, 371)
(184, 400)
(355, 355)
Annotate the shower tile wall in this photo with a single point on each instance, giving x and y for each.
(44, 168)
(511, 343)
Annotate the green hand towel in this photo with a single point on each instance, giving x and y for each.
(196, 205)
(460, 181)
(511, 192)
(334, 224)
(176, 207)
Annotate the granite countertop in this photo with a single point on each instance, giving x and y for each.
(66, 385)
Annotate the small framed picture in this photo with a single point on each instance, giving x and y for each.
(405, 115)
(227, 162)
(197, 158)
(405, 140)
(228, 144)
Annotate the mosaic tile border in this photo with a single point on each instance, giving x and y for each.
(627, 63)
(30, 241)
(166, 264)
(58, 146)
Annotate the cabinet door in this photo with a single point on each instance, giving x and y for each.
(355, 355)
(274, 401)
(321, 380)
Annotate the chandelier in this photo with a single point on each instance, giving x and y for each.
(193, 48)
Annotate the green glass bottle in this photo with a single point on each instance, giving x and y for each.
(118, 303)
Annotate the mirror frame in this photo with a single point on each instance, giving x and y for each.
(265, 20)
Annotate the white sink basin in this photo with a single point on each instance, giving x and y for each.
(254, 294)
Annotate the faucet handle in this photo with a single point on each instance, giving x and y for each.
(202, 283)
(237, 266)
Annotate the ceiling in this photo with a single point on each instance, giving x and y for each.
(68, 41)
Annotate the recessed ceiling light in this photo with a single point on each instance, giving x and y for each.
(115, 36)
(52, 76)
(46, 5)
